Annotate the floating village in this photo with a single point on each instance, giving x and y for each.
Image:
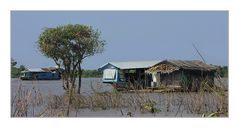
(154, 75)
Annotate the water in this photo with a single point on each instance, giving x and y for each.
(54, 87)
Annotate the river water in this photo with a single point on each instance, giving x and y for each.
(54, 87)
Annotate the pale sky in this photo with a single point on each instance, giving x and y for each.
(129, 35)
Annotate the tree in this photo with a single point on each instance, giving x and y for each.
(68, 45)
(91, 73)
(222, 71)
(22, 68)
(13, 63)
(15, 71)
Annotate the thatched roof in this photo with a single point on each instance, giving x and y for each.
(168, 66)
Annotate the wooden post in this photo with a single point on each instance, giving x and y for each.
(145, 79)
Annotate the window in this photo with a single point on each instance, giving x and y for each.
(109, 74)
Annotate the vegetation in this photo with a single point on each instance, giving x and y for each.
(30, 102)
(91, 73)
(68, 45)
(15, 71)
(223, 71)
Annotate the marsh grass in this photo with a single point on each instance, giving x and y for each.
(202, 103)
(25, 101)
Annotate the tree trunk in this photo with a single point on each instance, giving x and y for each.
(79, 82)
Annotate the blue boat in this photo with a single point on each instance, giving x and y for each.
(41, 74)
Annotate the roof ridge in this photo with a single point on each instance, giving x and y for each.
(133, 61)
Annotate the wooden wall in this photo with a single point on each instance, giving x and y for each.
(188, 79)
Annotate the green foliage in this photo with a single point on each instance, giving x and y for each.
(70, 42)
(22, 68)
(68, 45)
(91, 73)
(223, 71)
(15, 71)
(13, 62)
(150, 106)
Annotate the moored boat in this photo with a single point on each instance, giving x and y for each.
(40, 74)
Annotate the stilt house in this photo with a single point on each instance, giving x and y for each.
(131, 72)
(188, 74)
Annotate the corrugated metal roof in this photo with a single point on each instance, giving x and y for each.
(132, 64)
(34, 70)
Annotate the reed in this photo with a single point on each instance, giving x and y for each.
(26, 101)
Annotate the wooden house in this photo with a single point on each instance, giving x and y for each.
(131, 72)
(188, 74)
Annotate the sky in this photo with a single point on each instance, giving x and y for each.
(129, 35)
